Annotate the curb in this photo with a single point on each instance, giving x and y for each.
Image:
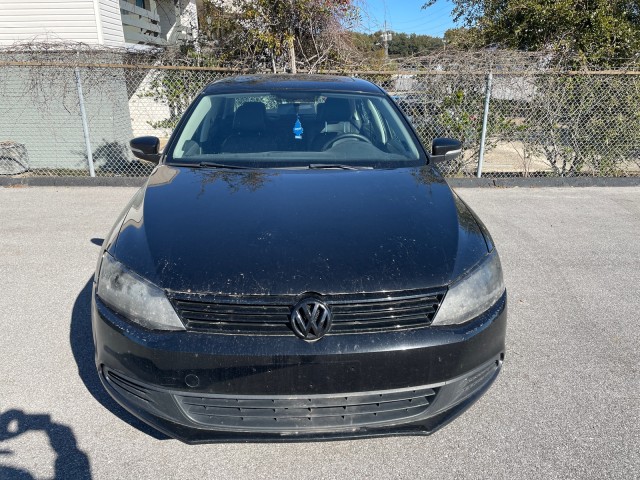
(72, 181)
(453, 182)
(544, 182)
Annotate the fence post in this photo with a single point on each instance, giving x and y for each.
(85, 125)
(485, 118)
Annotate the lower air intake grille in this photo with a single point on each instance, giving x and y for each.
(126, 386)
(354, 313)
(300, 413)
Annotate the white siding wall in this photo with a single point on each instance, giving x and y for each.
(52, 20)
(61, 20)
(111, 23)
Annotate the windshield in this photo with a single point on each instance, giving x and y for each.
(293, 129)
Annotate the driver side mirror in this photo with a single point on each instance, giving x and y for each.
(146, 148)
(445, 149)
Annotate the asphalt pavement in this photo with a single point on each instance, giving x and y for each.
(566, 405)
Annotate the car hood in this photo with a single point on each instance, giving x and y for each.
(297, 231)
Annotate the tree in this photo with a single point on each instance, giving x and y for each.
(407, 44)
(463, 38)
(602, 32)
(257, 35)
(402, 44)
(281, 33)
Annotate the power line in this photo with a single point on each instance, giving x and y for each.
(427, 17)
(432, 21)
(428, 26)
(440, 20)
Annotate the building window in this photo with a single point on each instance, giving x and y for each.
(141, 4)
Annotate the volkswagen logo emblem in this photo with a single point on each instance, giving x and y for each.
(310, 319)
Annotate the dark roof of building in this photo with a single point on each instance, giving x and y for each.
(326, 83)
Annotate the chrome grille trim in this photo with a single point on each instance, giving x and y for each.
(353, 313)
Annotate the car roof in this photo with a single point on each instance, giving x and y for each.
(266, 83)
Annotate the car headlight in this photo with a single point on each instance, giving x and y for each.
(134, 297)
(472, 294)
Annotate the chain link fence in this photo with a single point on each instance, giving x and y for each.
(516, 115)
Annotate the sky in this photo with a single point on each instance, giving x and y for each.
(407, 16)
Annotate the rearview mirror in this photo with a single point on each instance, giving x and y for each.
(445, 149)
(146, 148)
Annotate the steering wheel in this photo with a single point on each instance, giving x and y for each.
(345, 136)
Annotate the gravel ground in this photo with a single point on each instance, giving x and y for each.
(564, 406)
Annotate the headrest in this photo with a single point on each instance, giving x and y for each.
(250, 117)
(336, 110)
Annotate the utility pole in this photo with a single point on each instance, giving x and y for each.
(386, 38)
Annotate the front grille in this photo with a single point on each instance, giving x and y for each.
(352, 313)
(306, 413)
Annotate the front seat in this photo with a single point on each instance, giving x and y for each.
(335, 118)
(249, 131)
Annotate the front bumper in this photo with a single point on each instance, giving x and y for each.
(201, 387)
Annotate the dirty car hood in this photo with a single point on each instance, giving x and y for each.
(296, 231)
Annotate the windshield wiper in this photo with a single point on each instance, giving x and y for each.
(223, 165)
(337, 165)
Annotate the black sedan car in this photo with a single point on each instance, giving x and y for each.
(294, 268)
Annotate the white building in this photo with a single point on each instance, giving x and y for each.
(46, 122)
(109, 23)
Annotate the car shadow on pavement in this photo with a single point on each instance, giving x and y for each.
(70, 462)
(81, 340)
